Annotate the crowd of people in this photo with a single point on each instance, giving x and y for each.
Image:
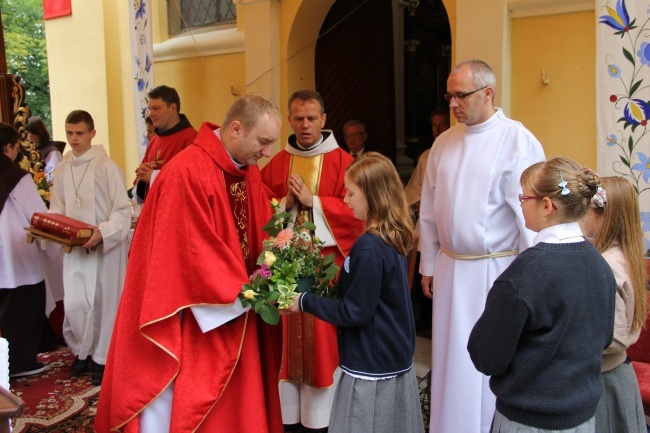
(535, 270)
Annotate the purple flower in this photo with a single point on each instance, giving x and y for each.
(147, 63)
(263, 272)
(139, 13)
(140, 84)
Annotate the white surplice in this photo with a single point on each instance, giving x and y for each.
(469, 206)
(93, 280)
(24, 264)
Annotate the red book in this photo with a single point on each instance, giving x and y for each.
(61, 225)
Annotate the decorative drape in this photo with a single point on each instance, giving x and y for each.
(141, 66)
(623, 96)
(56, 8)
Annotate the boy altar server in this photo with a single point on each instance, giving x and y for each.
(90, 187)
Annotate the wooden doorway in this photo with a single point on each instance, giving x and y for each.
(355, 69)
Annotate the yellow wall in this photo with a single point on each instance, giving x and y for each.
(89, 69)
(77, 67)
(203, 84)
(562, 115)
(119, 85)
(89, 58)
(300, 24)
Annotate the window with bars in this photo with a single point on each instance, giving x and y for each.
(184, 15)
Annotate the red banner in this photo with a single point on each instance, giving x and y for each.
(56, 8)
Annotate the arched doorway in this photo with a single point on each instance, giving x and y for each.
(365, 56)
(355, 70)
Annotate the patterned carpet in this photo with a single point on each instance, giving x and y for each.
(55, 402)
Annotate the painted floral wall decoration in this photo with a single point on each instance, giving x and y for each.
(624, 48)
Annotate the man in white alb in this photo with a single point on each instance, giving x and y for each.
(471, 228)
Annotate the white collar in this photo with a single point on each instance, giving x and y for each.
(324, 145)
(560, 234)
(239, 166)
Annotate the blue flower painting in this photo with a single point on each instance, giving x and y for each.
(139, 10)
(618, 19)
(630, 97)
(141, 65)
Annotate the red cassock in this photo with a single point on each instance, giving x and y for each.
(312, 357)
(187, 252)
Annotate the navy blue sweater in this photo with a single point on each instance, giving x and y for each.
(376, 330)
(547, 320)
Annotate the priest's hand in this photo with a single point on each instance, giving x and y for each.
(144, 171)
(289, 201)
(300, 191)
(94, 240)
(427, 286)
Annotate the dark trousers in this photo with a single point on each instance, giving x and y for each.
(22, 319)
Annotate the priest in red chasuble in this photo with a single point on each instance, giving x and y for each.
(307, 177)
(185, 355)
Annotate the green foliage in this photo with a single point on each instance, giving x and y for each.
(291, 262)
(24, 34)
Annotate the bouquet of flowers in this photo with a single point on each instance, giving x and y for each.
(43, 187)
(291, 262)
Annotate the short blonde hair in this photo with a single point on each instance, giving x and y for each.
(249, 108)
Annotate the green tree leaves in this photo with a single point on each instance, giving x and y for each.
(24, 34)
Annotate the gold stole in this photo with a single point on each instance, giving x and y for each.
(236, 189)
(300, 332)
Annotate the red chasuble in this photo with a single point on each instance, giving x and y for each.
(310, 349)
(187, 251)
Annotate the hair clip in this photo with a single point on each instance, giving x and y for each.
(599, 199)
(563, 185)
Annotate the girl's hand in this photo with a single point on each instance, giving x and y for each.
(293, 308)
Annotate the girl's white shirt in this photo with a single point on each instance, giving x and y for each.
(560, 234)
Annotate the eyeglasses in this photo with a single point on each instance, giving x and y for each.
(460, 96)
(523, 198)
(354, 135)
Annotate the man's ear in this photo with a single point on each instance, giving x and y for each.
(489, 92)
(324, 117)
(235, 128)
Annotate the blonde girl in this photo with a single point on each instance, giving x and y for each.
(615, 224)
(550, 315)
(376, 332)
